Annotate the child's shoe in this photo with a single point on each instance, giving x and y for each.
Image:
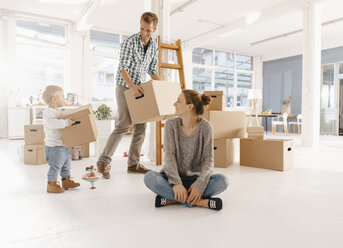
(54, 187)
(68, 183)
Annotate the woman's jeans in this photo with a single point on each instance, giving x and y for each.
(58, 158)
(158, 183)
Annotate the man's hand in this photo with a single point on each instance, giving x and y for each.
(180, 193)
(70, 121)
(136, 90)
(194, 196)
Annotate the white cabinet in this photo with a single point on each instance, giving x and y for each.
(17, 118)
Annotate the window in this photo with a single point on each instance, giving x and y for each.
(243, 86)
(40, 56)
(228, 72)
(202, 79)
(224, 82)
(104, 48)
(202, 56)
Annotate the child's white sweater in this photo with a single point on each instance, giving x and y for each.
(53, 126)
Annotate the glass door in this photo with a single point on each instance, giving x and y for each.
(328, 100)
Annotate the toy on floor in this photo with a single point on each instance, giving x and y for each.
(92, 176)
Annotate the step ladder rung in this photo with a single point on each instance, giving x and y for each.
(168, 46)
(170, 66)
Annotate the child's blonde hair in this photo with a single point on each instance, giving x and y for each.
(50, 92)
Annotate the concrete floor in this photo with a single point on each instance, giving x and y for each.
(302, 207)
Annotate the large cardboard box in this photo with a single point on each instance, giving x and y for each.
(34, 154)
(217, 100)
(223, 152)
(255, 132)
(34, 134)
(83, 130)
(226, 124)
(156, 104)
(267, 153)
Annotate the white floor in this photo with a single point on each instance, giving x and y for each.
(302, 207)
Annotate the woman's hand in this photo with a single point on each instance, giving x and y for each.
(194, 196)
(180, 193)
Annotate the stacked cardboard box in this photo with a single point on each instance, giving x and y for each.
(255, 132)
(34, 144)
(227, 125)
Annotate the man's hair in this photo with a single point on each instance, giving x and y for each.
(150, 17)
(50, 92)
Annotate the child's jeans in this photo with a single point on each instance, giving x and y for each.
(158, 183)
(58, 158)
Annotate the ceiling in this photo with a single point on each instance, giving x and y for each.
(203, 21)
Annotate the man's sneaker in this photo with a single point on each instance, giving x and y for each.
(138, 169)
(104, 169)
(215, 203)
(54, 187)
(68, 183)
(160, 201)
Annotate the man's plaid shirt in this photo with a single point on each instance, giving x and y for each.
(133, 60)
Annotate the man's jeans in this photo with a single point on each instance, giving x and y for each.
(158, 183)
(58, 158)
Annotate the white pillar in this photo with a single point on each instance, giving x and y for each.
(311, 76)
(162, 10)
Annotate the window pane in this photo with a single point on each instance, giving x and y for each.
(224, 59)
(37, 67)
(103, 86)
(224, 82)
(243, 86)
(202, 56)
(104, 42)
(40, 31)
(327, 87)
(244, 62)
(202, 79)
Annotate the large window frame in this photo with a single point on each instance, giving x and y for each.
(41, 43)
(234, 70)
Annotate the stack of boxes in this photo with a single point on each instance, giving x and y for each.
(34, 144)
(227, 125)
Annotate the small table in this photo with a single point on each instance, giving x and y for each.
(271, 115)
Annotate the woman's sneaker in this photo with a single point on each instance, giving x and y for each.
(215, 203)
(160, 201)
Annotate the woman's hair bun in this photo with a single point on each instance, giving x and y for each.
(205, 99)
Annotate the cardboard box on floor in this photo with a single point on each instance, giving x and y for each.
(226, 124)
(217, 100)
(83, 131)
(157, 103)
(223, 152)
(267, 153)
(34, 154)
(34, 134)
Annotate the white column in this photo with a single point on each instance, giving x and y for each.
(311, 76)
(162, 10)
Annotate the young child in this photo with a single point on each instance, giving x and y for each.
(56, 154)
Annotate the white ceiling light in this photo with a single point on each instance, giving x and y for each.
(230, 33)
(252, 18)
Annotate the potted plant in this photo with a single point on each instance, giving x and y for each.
(286, 102)
(104, 123)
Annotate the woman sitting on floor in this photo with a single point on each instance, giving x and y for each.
(186, 177)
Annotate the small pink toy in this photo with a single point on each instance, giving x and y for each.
(92, 176)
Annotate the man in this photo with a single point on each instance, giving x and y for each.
(138, 56)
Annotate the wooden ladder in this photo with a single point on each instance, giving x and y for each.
(178, 66)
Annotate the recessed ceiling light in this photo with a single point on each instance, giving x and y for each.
(252, 18)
